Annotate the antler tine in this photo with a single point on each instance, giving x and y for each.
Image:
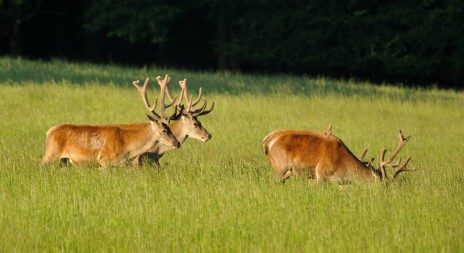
(183, 85)
(163, 83)
(179, 108)
(382, 165)
(201, 109)
(169, 94)
(401, 144)
(207, 111)
(403, 168)
(200, 94)
(363, 154)
(361, 158)
(143, 92)
(328, 131)
(188, 99)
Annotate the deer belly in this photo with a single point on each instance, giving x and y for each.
(79, 156)
(304, 170)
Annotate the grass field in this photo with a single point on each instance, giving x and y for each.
(222, 196)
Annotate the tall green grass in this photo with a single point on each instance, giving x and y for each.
(222, 195)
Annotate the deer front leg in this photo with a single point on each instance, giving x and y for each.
(137, 161)
(286, 175)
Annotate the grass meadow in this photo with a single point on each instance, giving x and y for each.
(222, 196)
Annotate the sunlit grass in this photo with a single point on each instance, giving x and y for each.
(222, 195)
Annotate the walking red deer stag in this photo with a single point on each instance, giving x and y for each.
(187, 126)
(325, 157)
(109, 145)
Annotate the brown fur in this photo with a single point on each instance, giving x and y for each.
(182, 129)
(312, 154)
(104, 144)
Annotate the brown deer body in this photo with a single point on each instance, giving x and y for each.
(110, 144)
(323, 156)
(102, 144)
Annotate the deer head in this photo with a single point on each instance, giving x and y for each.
(159, 122)
(191, 126)
(383, 164)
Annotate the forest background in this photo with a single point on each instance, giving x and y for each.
(413, 43)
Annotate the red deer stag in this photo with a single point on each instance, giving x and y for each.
(187, 126)
(325, 157)
(109, 145)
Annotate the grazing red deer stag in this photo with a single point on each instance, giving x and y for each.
(324, 157)
(187, 126)
(110, 144)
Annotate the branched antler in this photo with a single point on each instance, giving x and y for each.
(403, 168)
(389, 163)
(191, 112)
(163, 83)
(143, 92)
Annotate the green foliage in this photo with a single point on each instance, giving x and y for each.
(412, 40)
(221, 196)
(132, 20)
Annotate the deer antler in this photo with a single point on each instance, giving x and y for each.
(143, 92)
(171, 98)
(389, 163)
(401, 144)
(361, 158)
(328, 131)
(403, 168)
(363, 154)
(163, 83)
(190, 103)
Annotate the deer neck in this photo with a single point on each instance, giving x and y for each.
(365, 171)
(139, 139)
(179, 128)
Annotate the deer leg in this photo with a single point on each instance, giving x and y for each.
(50, 156)
(47, 160)
(320, 177)
(152, 158)
(137, 161)
(104, 162)
(287, 174)
(64, 162)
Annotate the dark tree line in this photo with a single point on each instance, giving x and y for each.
(418, 42)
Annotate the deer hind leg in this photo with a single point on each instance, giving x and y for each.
(282, 170)
(47, 160)
(286, 175)
(51, 155)
(321, 175)
(103, 160)
(64, 162)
